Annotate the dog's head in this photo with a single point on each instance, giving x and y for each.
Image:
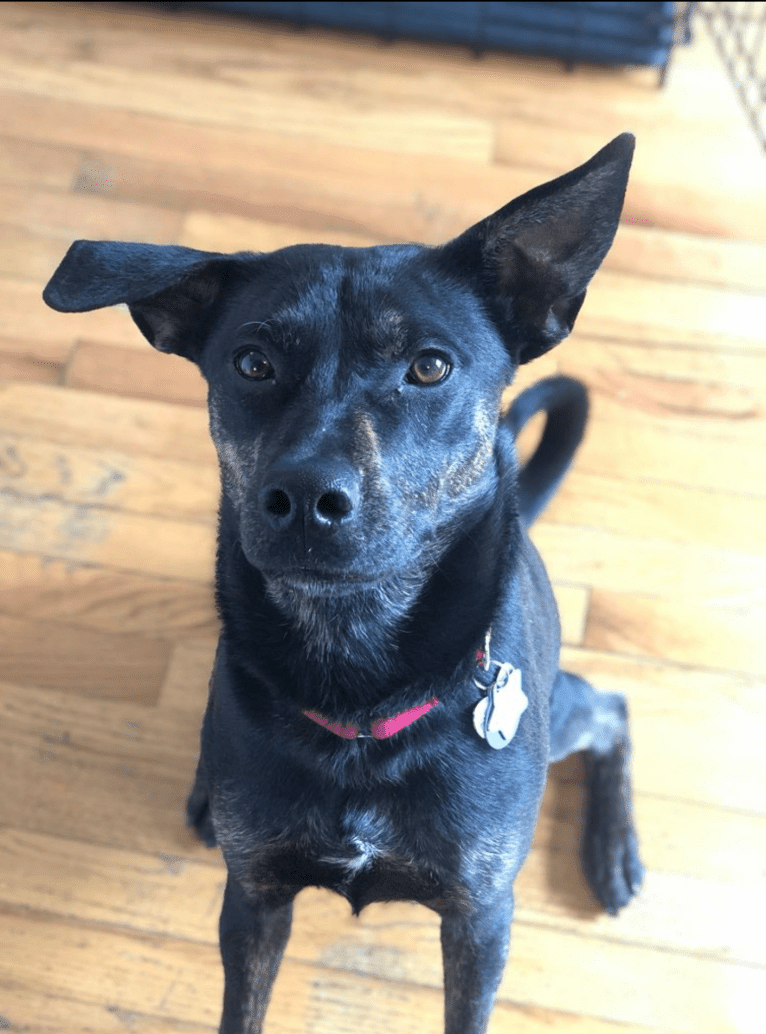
(354, 394)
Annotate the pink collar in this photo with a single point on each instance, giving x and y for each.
(383, 728)
(379, 730)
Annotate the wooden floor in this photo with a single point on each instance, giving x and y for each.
(225, 135)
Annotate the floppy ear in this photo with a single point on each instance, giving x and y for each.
(535, 257)
(168, 289)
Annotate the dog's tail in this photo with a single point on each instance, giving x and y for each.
(565, 404)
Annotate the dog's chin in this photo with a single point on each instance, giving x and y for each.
(345, 615)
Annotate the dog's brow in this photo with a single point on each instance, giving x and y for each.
(257, 324)
(391, 333)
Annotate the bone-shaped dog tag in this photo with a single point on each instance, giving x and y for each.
(496, 716)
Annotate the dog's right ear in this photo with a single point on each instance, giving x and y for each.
(532, 260)
(169, 289)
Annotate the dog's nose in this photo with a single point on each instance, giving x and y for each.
(325, 494)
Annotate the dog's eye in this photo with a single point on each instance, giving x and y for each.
(253, 365)
(429, 368)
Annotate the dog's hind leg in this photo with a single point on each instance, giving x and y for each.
(254, 931)
(597, 724)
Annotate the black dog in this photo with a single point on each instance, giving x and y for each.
(386, 620)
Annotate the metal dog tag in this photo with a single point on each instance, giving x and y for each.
(496, 716)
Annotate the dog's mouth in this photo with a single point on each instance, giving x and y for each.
(320, 583)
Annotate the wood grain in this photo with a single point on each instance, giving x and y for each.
(58, 656)
(92, 419)
(33, 586)
(143, 374)
(109, 478)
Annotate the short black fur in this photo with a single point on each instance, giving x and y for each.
(372, 532)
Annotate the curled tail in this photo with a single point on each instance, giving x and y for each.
(565, 404)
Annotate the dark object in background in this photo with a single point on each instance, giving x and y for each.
(739, 33)
(608, 33)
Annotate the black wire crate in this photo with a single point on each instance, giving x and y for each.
(640, 33)
(739, 33)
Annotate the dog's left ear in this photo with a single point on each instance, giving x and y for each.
(533, 260)
(170, 290)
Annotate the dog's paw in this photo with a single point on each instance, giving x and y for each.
(198, 816)
(611, 864)
(610, 857)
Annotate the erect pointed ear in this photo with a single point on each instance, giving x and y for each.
(533, 260)
(169, 289)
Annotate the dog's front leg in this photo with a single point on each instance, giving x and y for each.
(254, 931)
(474, 950)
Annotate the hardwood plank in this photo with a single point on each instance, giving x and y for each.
(122, 737)
(383, 930)
(677, 628)
(681, 417)
(638, 251)
(124, 787)
(16, 364)
(326, 193)
(709, 719)
(186, 681)
(572, 602)
(719, 457)
(38, 227)
(668, 254)
(272, 177)
(621, 306)
(30, 328)
(106, 421)
(551, 889)
(628, 505)
(38, 588)
(32, 1010)
(108, 478)
(679, 837)
(696, 188)
(181, 185)
(331, 1002)
(64, 959)
(235, 233)
(633, 564)
(374, 123)
(713, 410)
(727, 368)
(496, 85)
(148, 893)
(180, 978)
(76, 660)
(135, 373)
(87, 534)
(172, 895)
(109, 751)
(35, 165)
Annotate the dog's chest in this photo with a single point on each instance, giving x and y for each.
(366, 861)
